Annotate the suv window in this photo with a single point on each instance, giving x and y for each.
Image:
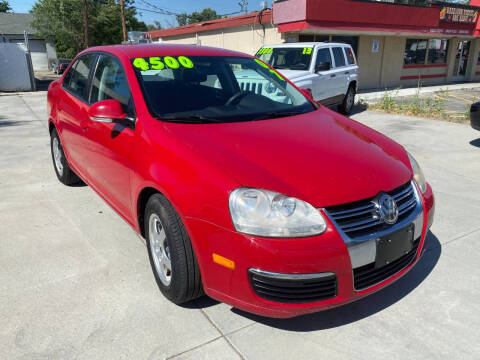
(323, 55)
(350, 56)
(339, 57)
(79, 76)
(110, 82)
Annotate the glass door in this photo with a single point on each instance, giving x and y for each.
(461, 60)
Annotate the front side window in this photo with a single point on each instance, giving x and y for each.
(216, 89)
(287, 58)
(415, 51)
(323, 56)
(109, 82)
(338, 56)
(79, 75)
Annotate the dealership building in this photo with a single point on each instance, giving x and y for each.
(396, 44)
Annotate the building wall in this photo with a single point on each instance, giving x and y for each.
(245, 39)
(370, 63)
(37, 46)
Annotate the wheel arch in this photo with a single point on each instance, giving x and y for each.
(142, 200)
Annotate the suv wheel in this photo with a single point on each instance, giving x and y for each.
(348, 102)
(60, 164)
(170, 251)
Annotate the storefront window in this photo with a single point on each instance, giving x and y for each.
(415, 51)
(437, 51)
(350, 40)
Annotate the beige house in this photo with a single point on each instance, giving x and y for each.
(396, 44)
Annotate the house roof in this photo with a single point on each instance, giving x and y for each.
(15, 23)
(242, 20)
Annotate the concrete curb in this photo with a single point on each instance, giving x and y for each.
(371, 97)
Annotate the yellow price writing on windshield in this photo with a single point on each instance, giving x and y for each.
(273, 71)
(307, 51)
(158, 63)
(264, 51)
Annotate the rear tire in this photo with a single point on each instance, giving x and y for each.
(60, 164)
(170, 251)
(348, 101)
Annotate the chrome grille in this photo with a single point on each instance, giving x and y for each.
(357, 219)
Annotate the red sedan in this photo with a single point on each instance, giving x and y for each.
(243, 187)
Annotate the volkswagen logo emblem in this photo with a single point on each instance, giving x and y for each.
(386, 208)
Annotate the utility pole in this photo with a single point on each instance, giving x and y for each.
(124, 26)
(244, 5)
(85, 22)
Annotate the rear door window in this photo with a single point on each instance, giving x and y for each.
(78, 84)
(338, 56)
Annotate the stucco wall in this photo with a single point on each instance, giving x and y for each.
(15, 74)
(370, 62)
(243, 38)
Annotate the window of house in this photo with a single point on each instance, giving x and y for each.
(350, 40)
(338, 56)
(79, 76)
(437, 51)
(415, 51)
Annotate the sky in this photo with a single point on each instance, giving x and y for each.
(176, 6)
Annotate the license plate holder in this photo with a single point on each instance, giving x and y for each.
(393, 246)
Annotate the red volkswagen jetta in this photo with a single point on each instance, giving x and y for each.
(243, 187)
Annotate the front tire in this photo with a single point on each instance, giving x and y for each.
(348, 101)
(170, 251)
(60, 164)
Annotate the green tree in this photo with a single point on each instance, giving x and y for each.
(155, 26)
(62, 22)
(4, 6)
(194, 17)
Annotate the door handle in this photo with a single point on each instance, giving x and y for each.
(333, 75)
(347, 72)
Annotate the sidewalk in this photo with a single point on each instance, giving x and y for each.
(371, 96)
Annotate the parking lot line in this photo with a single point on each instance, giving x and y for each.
(459, 98)
(440, 97)
(472, 96)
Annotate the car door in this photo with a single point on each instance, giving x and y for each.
(72, 112)
(110, 163)
(340, 76)
(322, 80)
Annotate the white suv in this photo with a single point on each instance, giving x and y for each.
(328, 70)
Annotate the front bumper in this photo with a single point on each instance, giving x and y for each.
(324, 254)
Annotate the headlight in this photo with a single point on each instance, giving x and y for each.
(267, 213)
(418, 174)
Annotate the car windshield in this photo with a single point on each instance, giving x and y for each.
(290, 58)
(202, 89)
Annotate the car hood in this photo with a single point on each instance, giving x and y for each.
(320, 157)
(293, 74)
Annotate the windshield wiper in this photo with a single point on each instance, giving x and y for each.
(191, 119)
(272, 115)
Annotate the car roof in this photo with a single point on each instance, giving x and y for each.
(146, 50)
(306, 44)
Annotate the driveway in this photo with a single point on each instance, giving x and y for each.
(75, 281)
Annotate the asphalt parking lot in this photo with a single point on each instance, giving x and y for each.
(75, 281)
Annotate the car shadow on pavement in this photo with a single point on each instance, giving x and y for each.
(362, 308)
(475, 142)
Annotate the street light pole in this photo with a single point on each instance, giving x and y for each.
(124, 26)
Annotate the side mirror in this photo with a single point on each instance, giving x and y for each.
(307, 93)
(323, 66)
(107, 111)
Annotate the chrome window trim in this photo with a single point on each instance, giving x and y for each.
(281, 276)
